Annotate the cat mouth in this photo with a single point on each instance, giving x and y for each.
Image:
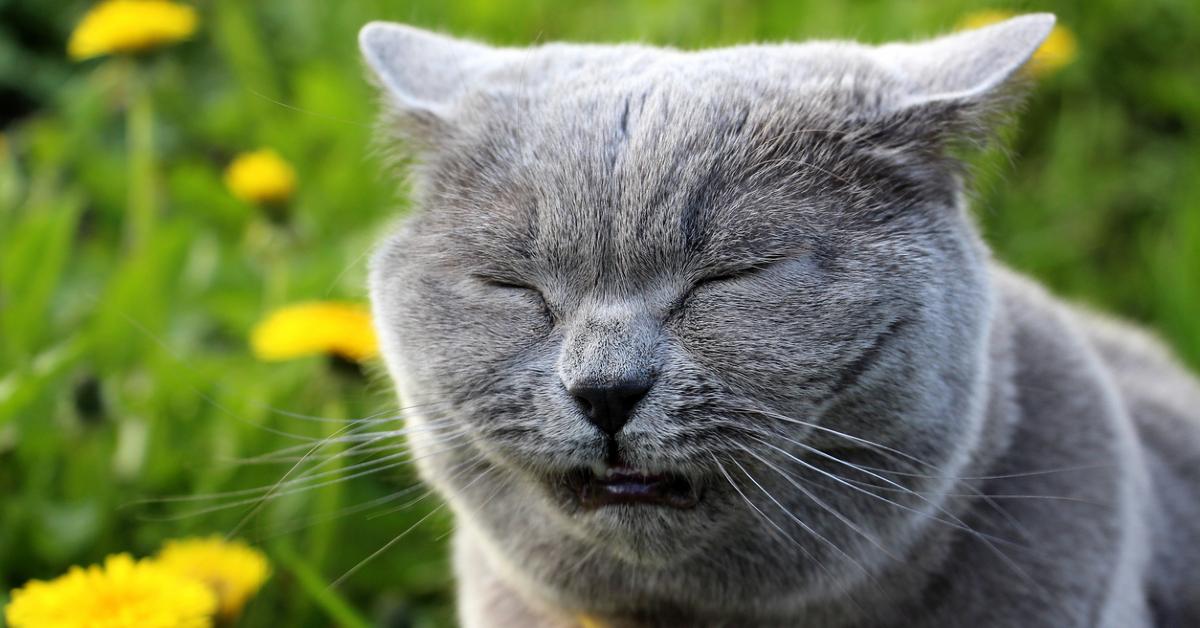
(603, 485)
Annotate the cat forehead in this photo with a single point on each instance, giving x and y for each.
(643, 127)
(682, 156)
(641, 174)
(812, 65)
(565, 84)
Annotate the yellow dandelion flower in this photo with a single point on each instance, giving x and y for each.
(261, 177)
(130, 26)
(233, 570)
(1058, 50)
(123, 593)
(587, 621)
(317, 327)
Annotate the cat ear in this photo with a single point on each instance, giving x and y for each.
(970, 66)
(423, 74)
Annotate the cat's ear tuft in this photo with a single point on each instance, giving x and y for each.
(422, 73)
(968, 66)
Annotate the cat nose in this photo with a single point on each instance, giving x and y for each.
(608, 405)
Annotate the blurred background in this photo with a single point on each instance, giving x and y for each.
(134, 269)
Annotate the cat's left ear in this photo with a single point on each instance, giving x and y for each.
(424, 74)
(970, 68)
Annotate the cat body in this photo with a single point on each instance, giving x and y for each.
(709, 338)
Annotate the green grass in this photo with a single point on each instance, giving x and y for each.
(125, 375)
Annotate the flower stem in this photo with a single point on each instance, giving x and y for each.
(139, 138)
(329, 600)
(321, 538)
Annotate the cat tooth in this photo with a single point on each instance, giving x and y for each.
(599, 469)
(622, 472)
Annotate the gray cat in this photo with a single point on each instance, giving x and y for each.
(710, 339)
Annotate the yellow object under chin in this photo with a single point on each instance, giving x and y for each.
(587, 621)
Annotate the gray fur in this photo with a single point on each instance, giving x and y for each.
(778, 233)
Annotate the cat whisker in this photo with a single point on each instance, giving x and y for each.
(833, 511)
(373, 468)
(305, 484)
(900, 456)
(1006, 476)
(762, 514)
(350, 572)
(286, 483)
(354, 426)
(307, 112)
(382, 416)
(483, 504)
(847, 483)
(988, 540)
(263, 500)
(370, 504)
(406, 505)
(913, 459)
(953, 522)
(978, 494)
(281, 458)
(283, 455)
(804, 526)
(343, 512)
(828, 430)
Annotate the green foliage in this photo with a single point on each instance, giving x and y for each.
(125, 374)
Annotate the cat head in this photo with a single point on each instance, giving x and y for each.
(656, 308)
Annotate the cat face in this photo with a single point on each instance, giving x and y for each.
(655, 307)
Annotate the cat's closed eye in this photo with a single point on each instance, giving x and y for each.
(729, 275)
(517, 288)
(716, 280)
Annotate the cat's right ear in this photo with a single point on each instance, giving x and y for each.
(423, 74)
(957, 85)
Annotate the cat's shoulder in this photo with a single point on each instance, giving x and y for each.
(1160, 393)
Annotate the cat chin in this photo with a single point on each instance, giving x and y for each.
(644, 536)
